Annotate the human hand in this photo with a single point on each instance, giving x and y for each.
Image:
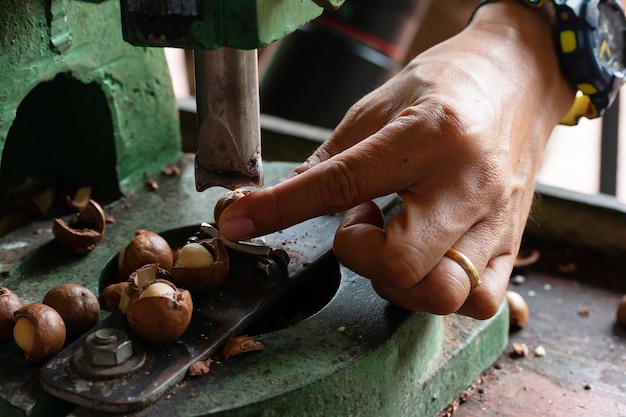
(458, 135)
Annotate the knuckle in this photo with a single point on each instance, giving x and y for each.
(340, 190)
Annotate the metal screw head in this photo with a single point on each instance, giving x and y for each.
(107, 347)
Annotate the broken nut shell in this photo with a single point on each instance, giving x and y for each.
(9, 303)
(203, 278)
(84, 231)
(240, 344)
(160, 318)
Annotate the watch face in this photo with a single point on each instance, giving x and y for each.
(611, 38)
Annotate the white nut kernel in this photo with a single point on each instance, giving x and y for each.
(156, 290)
(194, 255)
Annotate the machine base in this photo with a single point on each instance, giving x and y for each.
(357, 355)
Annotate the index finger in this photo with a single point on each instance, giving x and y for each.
(372, 168)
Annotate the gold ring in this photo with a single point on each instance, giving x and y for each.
(467, 266)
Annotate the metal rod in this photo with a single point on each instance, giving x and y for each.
(229, 133)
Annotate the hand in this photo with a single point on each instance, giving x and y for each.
(458, 135)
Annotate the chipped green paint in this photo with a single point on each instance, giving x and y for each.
(48, 43)
(242, 24)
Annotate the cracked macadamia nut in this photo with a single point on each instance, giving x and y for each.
(159, 312)
(39, 331)
(77, 305)
(226, 200)
(146, 248)
(9, 303)
(201, 265)
(84, 231)
(137, 280)
(518, 310)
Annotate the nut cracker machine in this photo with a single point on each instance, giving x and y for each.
(85, 97)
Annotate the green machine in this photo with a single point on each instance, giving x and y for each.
(85, 97)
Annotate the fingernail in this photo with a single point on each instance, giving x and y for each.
(237, 228)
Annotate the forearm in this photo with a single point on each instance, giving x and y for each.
(442, 19)
(527, 53)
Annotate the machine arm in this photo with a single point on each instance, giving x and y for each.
(224, 35)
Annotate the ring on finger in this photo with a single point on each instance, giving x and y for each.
(467, 266)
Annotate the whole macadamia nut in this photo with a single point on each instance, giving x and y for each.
(146, 248)
(518, 310)
(226, 200)
(77, 305)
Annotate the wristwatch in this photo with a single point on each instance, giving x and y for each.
(590, 39)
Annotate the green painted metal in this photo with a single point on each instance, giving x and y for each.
(241, 24)
(386, 362)
(91, 100)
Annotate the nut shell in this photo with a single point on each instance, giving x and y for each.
(226, 200)
(77, 305)
(83, 232)
(240, 344)
(146, 248)
(160, 319)
(205, 278)
(49, 327)
(112, 295)
(9, 303)
(518, 310)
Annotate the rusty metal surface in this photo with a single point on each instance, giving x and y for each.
(572, 296)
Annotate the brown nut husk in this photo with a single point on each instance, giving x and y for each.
(198, 276)
(146, 248)
(111, 296)
(84, 231)
(518, 310)
(139, 279)
(159, 312)
(226, 200)
(9, 303)
(620, 314)
(77, 305)
(240, 344)
(39, 331)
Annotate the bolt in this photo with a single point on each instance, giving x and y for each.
(275, 265)
(107, 347)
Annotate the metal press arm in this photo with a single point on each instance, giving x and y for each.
(229, 134)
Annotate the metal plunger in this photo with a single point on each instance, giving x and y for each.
(229, 134)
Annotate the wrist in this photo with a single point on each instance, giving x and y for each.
(528, 33)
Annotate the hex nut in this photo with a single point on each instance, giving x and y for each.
(107, 347)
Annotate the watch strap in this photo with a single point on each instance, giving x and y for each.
(582, 106)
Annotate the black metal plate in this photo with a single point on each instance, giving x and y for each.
(218, 315)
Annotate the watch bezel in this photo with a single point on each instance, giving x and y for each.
(581, 66)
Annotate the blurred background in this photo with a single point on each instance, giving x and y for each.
(586, 158)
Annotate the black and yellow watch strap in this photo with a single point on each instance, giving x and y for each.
(589, 102)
